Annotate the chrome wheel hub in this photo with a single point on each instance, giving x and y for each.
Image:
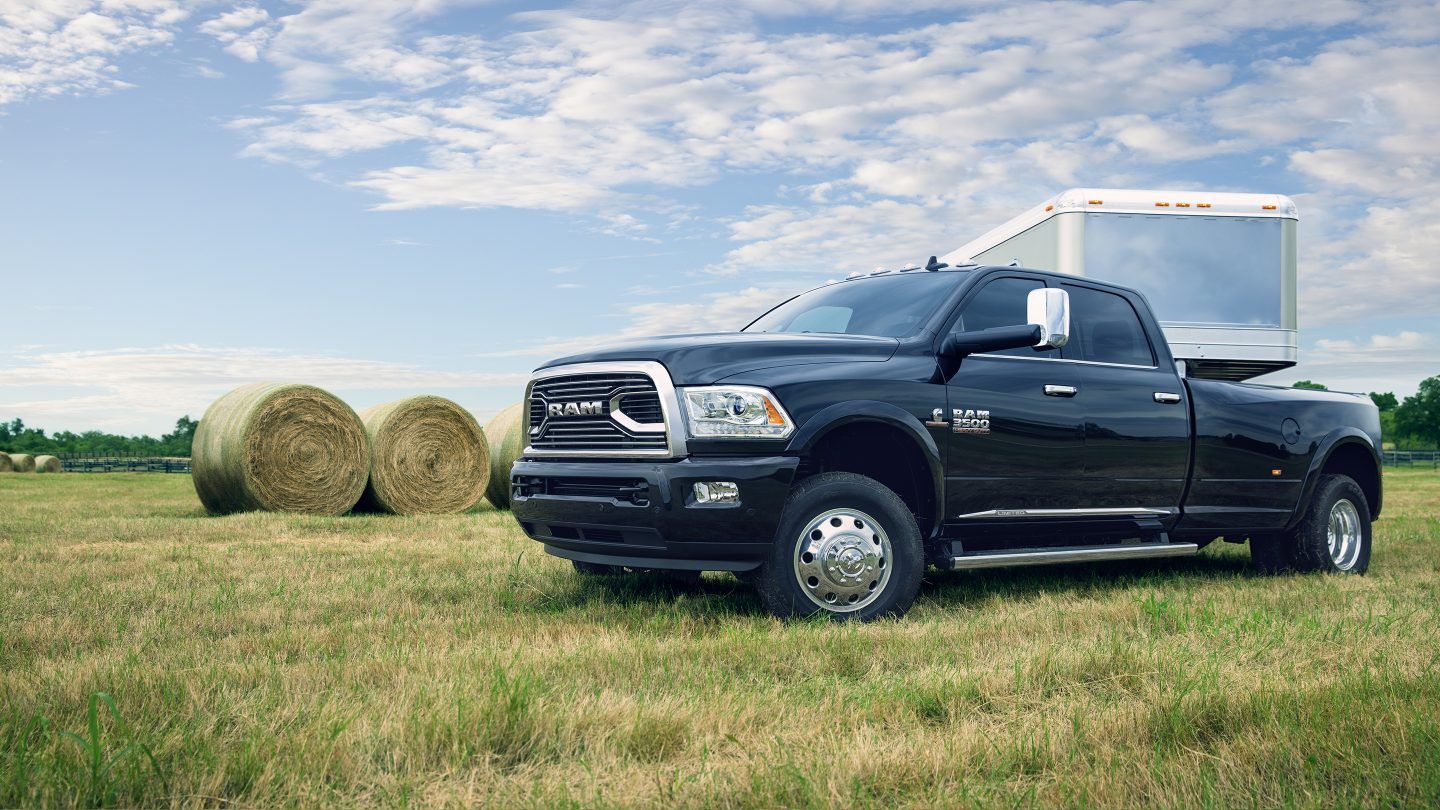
(842, 560)
(1344, 534)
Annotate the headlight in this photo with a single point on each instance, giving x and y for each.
(735, 411)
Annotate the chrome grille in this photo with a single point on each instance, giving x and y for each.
(630, 415)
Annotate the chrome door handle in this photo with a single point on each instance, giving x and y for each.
(1061, 390)
(1167, 398)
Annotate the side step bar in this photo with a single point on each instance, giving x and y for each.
(1004, 559)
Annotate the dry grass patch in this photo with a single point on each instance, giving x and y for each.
(267, 659)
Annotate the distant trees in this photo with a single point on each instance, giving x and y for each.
(1418, 417)
(1310, 386)
(1415, 423)
(16, 437)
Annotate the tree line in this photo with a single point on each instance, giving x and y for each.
(16, 437)
(1412, 424)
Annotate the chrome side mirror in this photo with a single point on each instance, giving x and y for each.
(1049, 309)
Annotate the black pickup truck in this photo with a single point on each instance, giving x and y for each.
(961, 417)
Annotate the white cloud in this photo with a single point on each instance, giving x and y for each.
(1382, 262)
(327, 42)
(145, 389)
(244, 31)
(1378, 363)
(890, 141)
(67, 47)
(908, 142)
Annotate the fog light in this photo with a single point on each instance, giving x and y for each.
(717, 492)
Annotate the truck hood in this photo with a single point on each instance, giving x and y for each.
(704, 359)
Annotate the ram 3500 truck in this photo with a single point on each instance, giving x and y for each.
(962, 417)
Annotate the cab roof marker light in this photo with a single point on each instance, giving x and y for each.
(1202, 205)
(1097, 202)
(1268, 207)
(1162, 205)
(1182, 205)
(1050, 207)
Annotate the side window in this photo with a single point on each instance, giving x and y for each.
(1106, 328)
(1000, 302)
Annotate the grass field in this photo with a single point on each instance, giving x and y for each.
(266, 660)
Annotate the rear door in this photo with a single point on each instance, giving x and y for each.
(1011, 445)
(1137, 419)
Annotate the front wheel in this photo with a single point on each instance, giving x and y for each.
(847, 548)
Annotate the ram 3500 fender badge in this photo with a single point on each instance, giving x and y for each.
(575, 408)
(971, 421)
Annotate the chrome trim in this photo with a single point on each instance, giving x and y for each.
(1166, 398)
(1061, 390)
(1071, 555)
(1049, 308)
(842, 568)
(1061, 360)
(669, 407)
(630, 424)
(1344, 534)
(1116, 511)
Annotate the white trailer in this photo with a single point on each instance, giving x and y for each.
(1219, 269)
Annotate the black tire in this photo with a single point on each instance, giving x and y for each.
(1307, 547)
(888, 582)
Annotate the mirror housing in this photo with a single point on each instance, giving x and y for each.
(1048, 312)
(961, 344)
(1049, 309)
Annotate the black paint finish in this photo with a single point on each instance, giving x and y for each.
(1225, 459)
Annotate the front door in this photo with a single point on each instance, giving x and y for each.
(1016, 439)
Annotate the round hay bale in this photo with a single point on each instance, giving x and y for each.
(47, 464)
(506, 445)
(22, 462)
(427, 456)
(280, 447)
(6, 465)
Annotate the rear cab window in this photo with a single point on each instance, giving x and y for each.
(1105, 328)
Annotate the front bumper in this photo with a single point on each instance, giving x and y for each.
(643, 514)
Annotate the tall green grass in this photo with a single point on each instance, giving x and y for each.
(150, 655)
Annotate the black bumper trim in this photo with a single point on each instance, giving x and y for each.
(662, 527)
(651, 562)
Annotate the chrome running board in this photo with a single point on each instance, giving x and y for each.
(1004, 559)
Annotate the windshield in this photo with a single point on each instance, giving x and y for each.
(883, 306)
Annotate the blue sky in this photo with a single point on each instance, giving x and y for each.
(385, 197)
